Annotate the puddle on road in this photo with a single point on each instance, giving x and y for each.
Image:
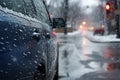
(100, 61)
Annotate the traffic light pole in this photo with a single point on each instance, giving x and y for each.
(66, 10)
(117, 21)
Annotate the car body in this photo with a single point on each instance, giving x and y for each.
(99, 30)
(28, 49)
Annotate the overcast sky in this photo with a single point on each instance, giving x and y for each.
(88, 5)
(83, 4)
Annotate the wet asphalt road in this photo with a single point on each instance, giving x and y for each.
(80, 59)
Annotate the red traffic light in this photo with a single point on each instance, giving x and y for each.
(108, 9)
(108, 6)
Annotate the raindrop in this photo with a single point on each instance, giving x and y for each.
(20, 30)
(23, 38)
(9, 64)
(25, 34)
(2, 38)
(24, 28)
(23, 64)
(10, 49)
(36, 56)
(15, 39)
(29, 52)
(20, 72)
(6, 72)
(16, 32)
(14, 59)
(1, 43)
(7, 42)
(14, 45)
(3, 48)
(1, 71)
(31, 29)
(6, 29)
(35, 62)
(38, 51)
(18, 6)
(4, 3)
(24, 54)
(7, 37)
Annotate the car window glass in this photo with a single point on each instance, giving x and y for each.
(15, 5)
(6, 3)
(30, 9)
(41, 11)
(18, 6)
(22, 6)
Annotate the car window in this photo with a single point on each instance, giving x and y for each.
(6, 3)
(41, 11)
(30, 8)
(15, 5)
(23, 6)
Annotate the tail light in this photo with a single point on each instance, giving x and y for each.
(54, 33)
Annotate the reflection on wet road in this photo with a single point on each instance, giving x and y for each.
(81, 59)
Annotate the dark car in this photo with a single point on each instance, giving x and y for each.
(99, 30)
(28, 49)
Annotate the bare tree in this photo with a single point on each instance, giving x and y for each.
(74, 13)
(57, 9)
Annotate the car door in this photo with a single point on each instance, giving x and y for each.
(50, 47)
(20, 48)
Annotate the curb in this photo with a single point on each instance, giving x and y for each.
(96, 41)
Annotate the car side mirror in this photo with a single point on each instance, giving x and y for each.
(58, 22)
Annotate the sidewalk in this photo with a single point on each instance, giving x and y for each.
(69, 37)
(102, 39)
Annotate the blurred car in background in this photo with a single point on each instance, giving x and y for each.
(99, 30)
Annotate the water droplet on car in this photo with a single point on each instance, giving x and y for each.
(20, 30)
(6, 72)
(15, 39)
(2, 38)
(29, 52)
(7, 42)
(6, 29)
(35, 62)
(1, 71)
(24, 54)
(14, 59)
(1, 43)
(9, 64)
(14, 45)
(3, 48)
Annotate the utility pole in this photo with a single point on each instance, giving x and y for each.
(117, 20)
(66, 13)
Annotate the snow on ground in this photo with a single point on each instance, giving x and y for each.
(70, 66)
(104, 38)
(69, 34)
(70, 57)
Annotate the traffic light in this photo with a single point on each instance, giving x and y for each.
(108, 8)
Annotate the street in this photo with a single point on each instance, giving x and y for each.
(81, 59)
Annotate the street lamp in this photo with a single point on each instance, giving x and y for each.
(84, 23)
